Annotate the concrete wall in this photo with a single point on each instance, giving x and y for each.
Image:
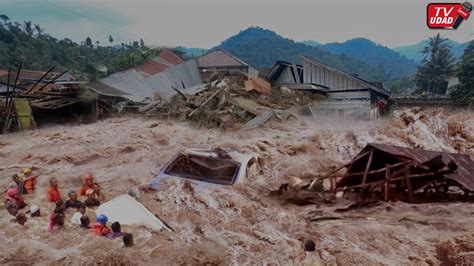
(343, 105)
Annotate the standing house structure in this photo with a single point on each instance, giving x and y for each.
(346, 95)
(220, 61)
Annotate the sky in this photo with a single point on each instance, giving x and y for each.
(205, 23)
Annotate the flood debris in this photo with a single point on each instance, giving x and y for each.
(395, 173)
(214, 166)
(32, 98)
(126, 210)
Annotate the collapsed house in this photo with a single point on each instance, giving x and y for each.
(31, 98)
(167, 75)
(344, 95)
(399, 173)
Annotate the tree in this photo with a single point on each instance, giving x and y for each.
(39, 30)
(4, 17)
(142, 43)
(88, 42)
(28, 27)
(465, 88)
(135, 44)
(111, 39)
(437, 66)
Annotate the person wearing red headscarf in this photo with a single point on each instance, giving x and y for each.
(14, 201)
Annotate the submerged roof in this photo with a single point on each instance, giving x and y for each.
(219, 58)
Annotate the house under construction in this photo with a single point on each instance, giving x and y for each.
(345, 95)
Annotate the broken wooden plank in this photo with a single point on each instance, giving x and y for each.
(260, 120)
(371, 156)
(205, 102)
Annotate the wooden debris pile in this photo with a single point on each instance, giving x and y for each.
(224, 104)
(28, 95)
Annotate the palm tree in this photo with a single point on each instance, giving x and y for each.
(437, 66)
(111, 39)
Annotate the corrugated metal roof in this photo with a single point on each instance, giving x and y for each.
(365, 82)
(104, 89)
(219, 58)
(464, 175)
(170, 57)
(151, 67)
(182, 76)
(133, 85)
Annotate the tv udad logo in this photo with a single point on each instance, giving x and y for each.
(447, 15)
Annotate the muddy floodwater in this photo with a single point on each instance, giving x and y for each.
(239, 224)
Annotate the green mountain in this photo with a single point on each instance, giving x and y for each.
(262, 48)
(374, 54)
(311, 43)
(414, 51)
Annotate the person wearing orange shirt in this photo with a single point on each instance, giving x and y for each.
(53, 192)
(29, 181)
(100, 228)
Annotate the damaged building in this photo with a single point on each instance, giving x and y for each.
(221, 62)
(167, 74)
(344, 95)
(29, 99)
(399, 173)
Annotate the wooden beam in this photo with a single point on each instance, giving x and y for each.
(381, 170)
(387, 179)
(406, 176)
(364, 179)
(39, 80)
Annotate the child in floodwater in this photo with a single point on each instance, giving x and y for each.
(35, 211)
(88, 181)
(85, 222)
(56, 220)
(98, 195)
(21, 218)
(91, 200)
(100, 228)
(116, 231)
(127, 240)
(310, 255)
(76, 217)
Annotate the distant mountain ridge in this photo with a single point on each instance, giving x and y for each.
(374, 54)
(262, 48)
(413, 51)
(311, 43)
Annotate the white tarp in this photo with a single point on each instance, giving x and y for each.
(126, 210)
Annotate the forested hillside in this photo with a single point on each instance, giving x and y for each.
(29, 44)
(374, 54)
(262, 48)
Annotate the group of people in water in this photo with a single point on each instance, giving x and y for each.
(26, 184)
